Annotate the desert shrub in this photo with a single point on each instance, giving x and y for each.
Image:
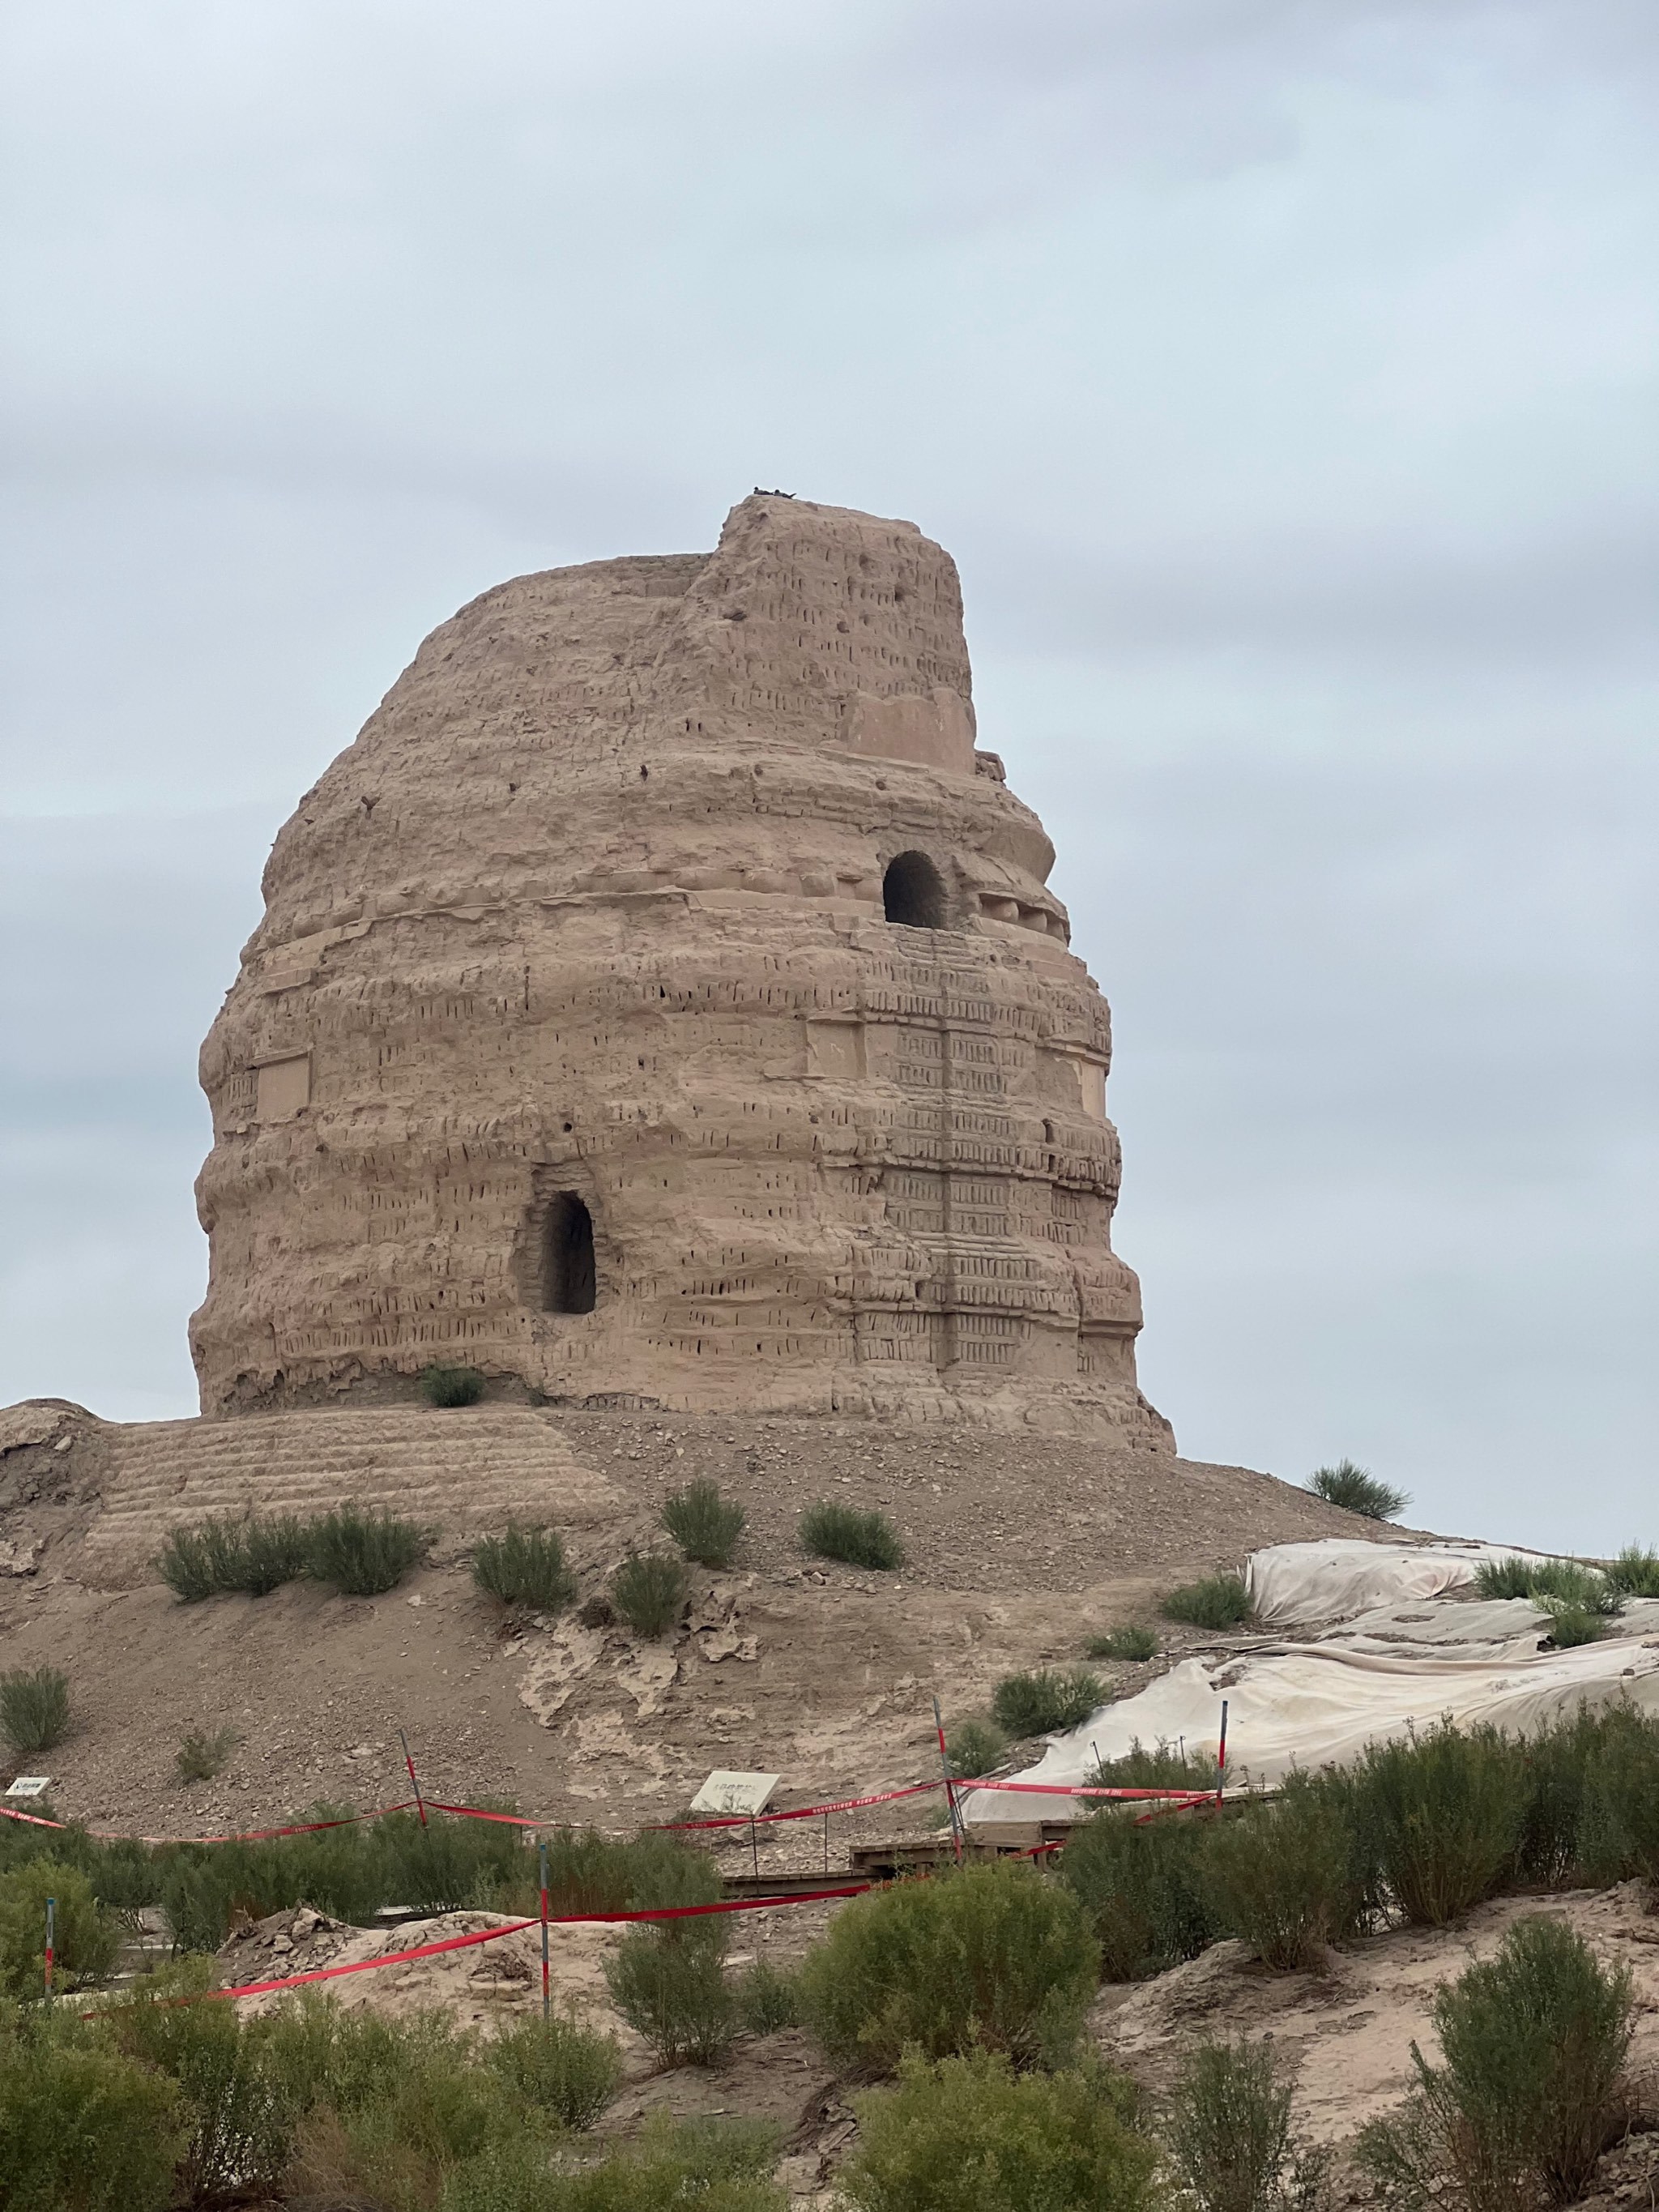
(257, 1553)
(201, 1756)
(1618, 1832)
(995, 1957)
(1166, 1766)
(970, 2131)
(1531, 2090)
(86, 1941)
(441, 1385)
(1443, 1811)
(1357, 1489)
(275, 1548)
(240, 2117)
(1218, 1601)
(1287, 1876)
(364, 1554)
(668, 1981)
(859, 1540)
(649, 1591)
(1635, 1572)
(83, 2127)
(405, 2116)
(768, 1998)
(347, 1872)
(199, 1561)
(1558, 1761)
(34, 1708)
(1051, 1699)
(718, 2166)
(1227, 2129)
(563, 2069)
(1549, 1583)
(523, 1566)
(443, 1864)
(1129, 1642)
(590, 1873)
(974, 1748)
(705, 1525)
(1141, 1890)
(1572, 1625)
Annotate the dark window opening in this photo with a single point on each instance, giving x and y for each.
(568, 1277)
(912, 892)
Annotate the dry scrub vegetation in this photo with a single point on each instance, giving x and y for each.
(960, 2004)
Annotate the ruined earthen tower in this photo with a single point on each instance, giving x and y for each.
(661, 1002)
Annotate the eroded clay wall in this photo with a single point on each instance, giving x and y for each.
(592, 916)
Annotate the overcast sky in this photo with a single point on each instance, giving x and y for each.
(1282, 375)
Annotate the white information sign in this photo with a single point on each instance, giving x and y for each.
(30, 1785)
(728, 1792)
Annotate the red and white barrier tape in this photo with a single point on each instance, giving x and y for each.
(1174, 1799)
(237, 1836)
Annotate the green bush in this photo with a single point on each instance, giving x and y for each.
(717, 2165)
(1635, 1572)
(1131, 1642)
(859, 1540)
(365, 1554)
(523, 1566)
(668, 1982)
(590, 1873)
(1167, 1766)
(441, 1385)
(1218, 1601)
(649, 1591)
(1287, 1876)
(200, 1756)
(199, 1561)
(1443, 1813)
(1558, 1761)
(256, 1553)
(995, 1957)
(403, 2114)
(1227, 2129)
(240, 2117)
(705, 1525)
(447, 1865)
(34, 1708)
(1617, 1835)
(275, 1549)
(1565, 1582)
(974, 1748)
(86, 1939)
(1531, 2091)
(1357, 1489)
(968, 2132)
(1042, 1703)
(1572, 1625)
(1141, 1889)
(768, 1998)
(563, 2069)
(82, 2128)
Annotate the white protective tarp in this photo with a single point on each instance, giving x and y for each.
(1297, 1585)
(1393, 1666)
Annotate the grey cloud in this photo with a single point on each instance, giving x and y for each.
(1282, 376)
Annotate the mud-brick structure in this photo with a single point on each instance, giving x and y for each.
(662, 1003)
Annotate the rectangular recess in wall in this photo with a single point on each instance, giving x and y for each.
(284, 1087)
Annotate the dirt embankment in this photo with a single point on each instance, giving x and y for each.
(1018, 1547)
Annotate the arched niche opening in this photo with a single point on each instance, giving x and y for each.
(568, 1281)
(912, 892)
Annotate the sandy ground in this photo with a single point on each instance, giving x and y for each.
(1343, 2036)
(1019, 1547)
